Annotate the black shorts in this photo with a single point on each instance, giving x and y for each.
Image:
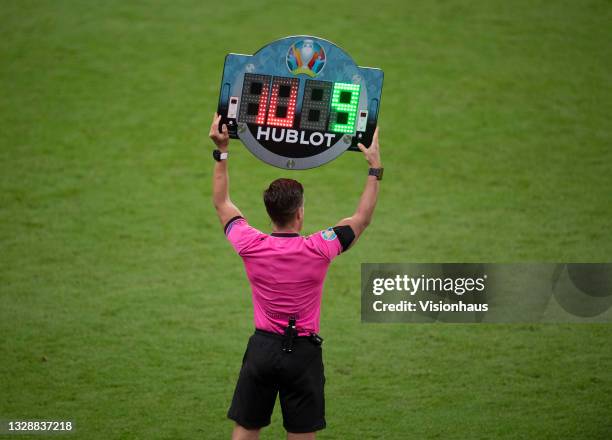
(267, 371)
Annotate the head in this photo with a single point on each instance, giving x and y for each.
(284, 200)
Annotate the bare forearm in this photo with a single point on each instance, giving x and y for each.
(220, 184)
(226, 210)
(367, 202)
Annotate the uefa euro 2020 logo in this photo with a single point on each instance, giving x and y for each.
(306, 56)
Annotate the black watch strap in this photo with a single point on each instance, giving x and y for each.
(378, 172)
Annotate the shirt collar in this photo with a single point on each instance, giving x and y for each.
(285, 234)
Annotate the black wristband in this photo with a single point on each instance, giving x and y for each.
(377, 172)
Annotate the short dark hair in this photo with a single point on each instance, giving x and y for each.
(282, 199)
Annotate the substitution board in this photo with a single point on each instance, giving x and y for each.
(299, 102)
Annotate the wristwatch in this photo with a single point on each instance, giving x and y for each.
(219, 156)
(378, 172)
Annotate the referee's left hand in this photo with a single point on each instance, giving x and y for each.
(220, 138)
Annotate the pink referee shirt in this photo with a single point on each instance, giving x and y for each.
(286, 273)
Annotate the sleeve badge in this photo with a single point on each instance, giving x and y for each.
(328, 234)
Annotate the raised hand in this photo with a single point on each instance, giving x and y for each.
(372, 154)
(220, 138)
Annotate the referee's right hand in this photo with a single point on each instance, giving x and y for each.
(372, 154)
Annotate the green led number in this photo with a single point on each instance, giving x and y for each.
(344, 102)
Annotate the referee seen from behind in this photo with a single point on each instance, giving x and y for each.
(286, 272)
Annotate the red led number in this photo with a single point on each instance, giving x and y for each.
(283, 99)
(254, 100)
(263, 100)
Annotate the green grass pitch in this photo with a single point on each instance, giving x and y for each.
(124, 308)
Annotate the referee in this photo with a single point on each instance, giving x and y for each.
(286, 272)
